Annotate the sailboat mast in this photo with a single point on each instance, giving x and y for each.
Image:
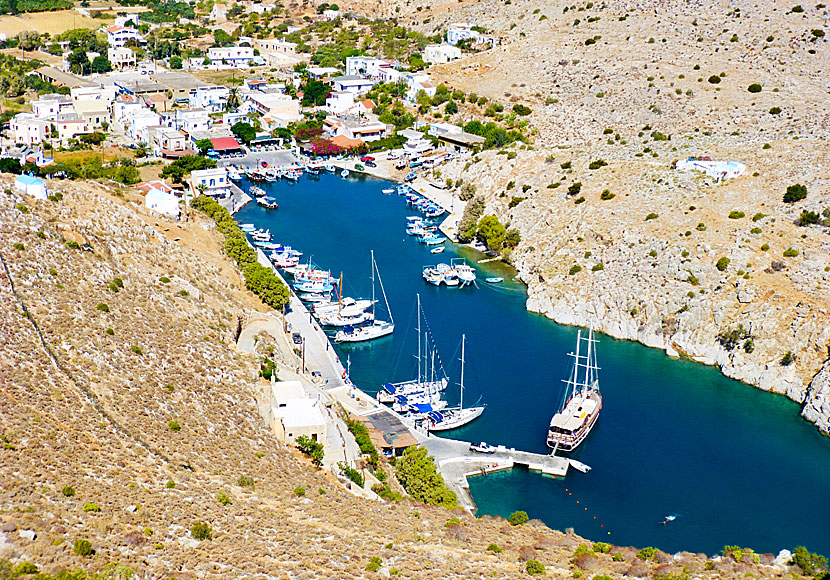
(576, 362)
(461, 394)
(372, 253)
(380, 282)
(340, 294)
(419, 338)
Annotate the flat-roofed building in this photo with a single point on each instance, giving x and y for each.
(214, 182)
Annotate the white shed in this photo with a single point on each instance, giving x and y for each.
(31, 185)
(162, 202)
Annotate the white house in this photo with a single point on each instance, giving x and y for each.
(138, 120)
(231, 55)
(319, 72)
(128, 20)
(339, 102)
(219, 12)
(351, 128)
(717, 170)
(52, 106)
(353, 84)
(276, 109)
(71, 128)
(331, 14)
(192, 120)
(294, 414)
(121, 57)
(162, 202)
(215, 182)
(417, 82)
(118, 36)
(464, 31)
(454, 137)
(415, 142)
(441, 53)
(31, 186)
(277, 45)
(27, 129)
(94, 93)
(94, 111)
(211, 98)
(366, 66)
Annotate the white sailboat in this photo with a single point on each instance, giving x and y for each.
(581, 402)
(378, 328)
(425, 382)
(454, 417)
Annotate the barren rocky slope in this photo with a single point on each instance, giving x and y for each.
(88, 392)
(608, 81)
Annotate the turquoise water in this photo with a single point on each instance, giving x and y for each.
(738, 466)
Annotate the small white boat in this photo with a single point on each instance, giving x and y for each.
(454, 417)
(378, 328)
(494, 280)
(344, 173)
(247, 227)
(330, 168)
(437, 250)
(466, 273)
(335, 319)
(387, 191)
(579, 466)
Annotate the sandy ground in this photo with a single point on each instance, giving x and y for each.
(51, 22)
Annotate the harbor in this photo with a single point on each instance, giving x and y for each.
(667, 437)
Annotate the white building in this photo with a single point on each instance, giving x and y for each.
(94, 93)
(319, 72)
(137, 120)
(441, 53)
(277, 45)
(464, 31)
(118, 36)
(454, 137)
(276, 109)
(219, 12)
(231, 55)
(366, 66)
(417, 82)
(121, 57)
(339, 102)
(293, 414)
(212, 98)
(95, 112)
(162, 202)
(192, 120)
(352, 84)
(215, 182)
(71, 128)
(27, 129)
(52, 106)
(331, 14)
(31, 185)
(415, 142)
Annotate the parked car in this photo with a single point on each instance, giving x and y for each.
(366, 158)
(482, 448)
(371, 164)
(297, 338)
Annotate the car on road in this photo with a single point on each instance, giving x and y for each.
(297, 338)
(366, 158)
(371, 164)
(482, 448)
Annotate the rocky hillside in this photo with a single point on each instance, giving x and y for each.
(128, 416)
(619, 91)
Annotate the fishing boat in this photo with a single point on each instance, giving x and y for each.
(312, 170)
(268, 202)
(257, 191)
(430, 378)
(410, 176)
(261, 236)
(432, 275)
(581, 401)
(378, 328)
(344, 173)
(466, 273)
(454, 417)
(437, 250)
(432, 239)
(233, 173)
(494, 280)
(313, 286)
(330, 168)
(387, 191)
(247, 227)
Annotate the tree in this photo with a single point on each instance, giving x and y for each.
(491, 233)
(518, 518)
(315, 94)
(203, 145)
(451, 108)
(176, 62)
(811, 564)
(9, 165)
(467, 227)
(417, 473)
(232, 103)
(100, 64)
(314, 449)
(95, 138)
(183, 166)
(79, 61)
(244, 132)
(795, 193)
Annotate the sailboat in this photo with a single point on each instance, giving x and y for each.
(581, 402)
(425, 384)
(344, 316)
(454, 417)
(378, 328)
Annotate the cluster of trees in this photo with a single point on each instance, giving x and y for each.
(419, 477)
(314, 449)
(468, 225)
(489, 230)
(18, 6)
(494, 136)
(258, 279)
(315, 93)
(161, 11)
(183, 166)
(121, 170)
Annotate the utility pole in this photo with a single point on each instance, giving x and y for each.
(303, 367)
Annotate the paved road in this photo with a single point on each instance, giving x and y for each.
(254, 159)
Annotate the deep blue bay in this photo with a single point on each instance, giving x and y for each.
(738, 466)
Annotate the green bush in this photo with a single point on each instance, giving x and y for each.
(811, 564)
(21, 208)
(764, 247)
(102, 307)
(775, 111)
(535, 568)
(597, 267)
(299, 491)
(575, 269)
(353, 474)
(18, 246)
(92, 507)
(518, 518)
(170, 485)
(790, 253)
(606, 195)
(736, 214)
(452, 522)
(314, 449)
(795, 193)
(787, 359)
(808, 218)
(493, 548)
(714, 79)
(754, 88)
(174, 426)
(618, 557)
(245, 481)
(417, 473)
(652, 216)
(164, 280)
(602, 548)
(83, 548)
(200, 531)
(374, 564)
(24, 568)
(722, 263)
(72, 245)
(110, 331)
(597, 163)
(223, 498)
(68, 491)
(136, 349)
(646, 553)
(575, 188)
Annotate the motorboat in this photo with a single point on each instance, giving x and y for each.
(494, 280)
(268, 202)
(466, 273)
(330, 168)
(256, 191)
(344, 173)
(437, 250)
(261, 236)
(233, 173)
(387, 191)
(313, 286)
(247, 228)
(338, 319)
(347, 306)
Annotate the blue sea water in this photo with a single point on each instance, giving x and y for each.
(736, 465)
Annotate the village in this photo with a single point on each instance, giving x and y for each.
(271, 106)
